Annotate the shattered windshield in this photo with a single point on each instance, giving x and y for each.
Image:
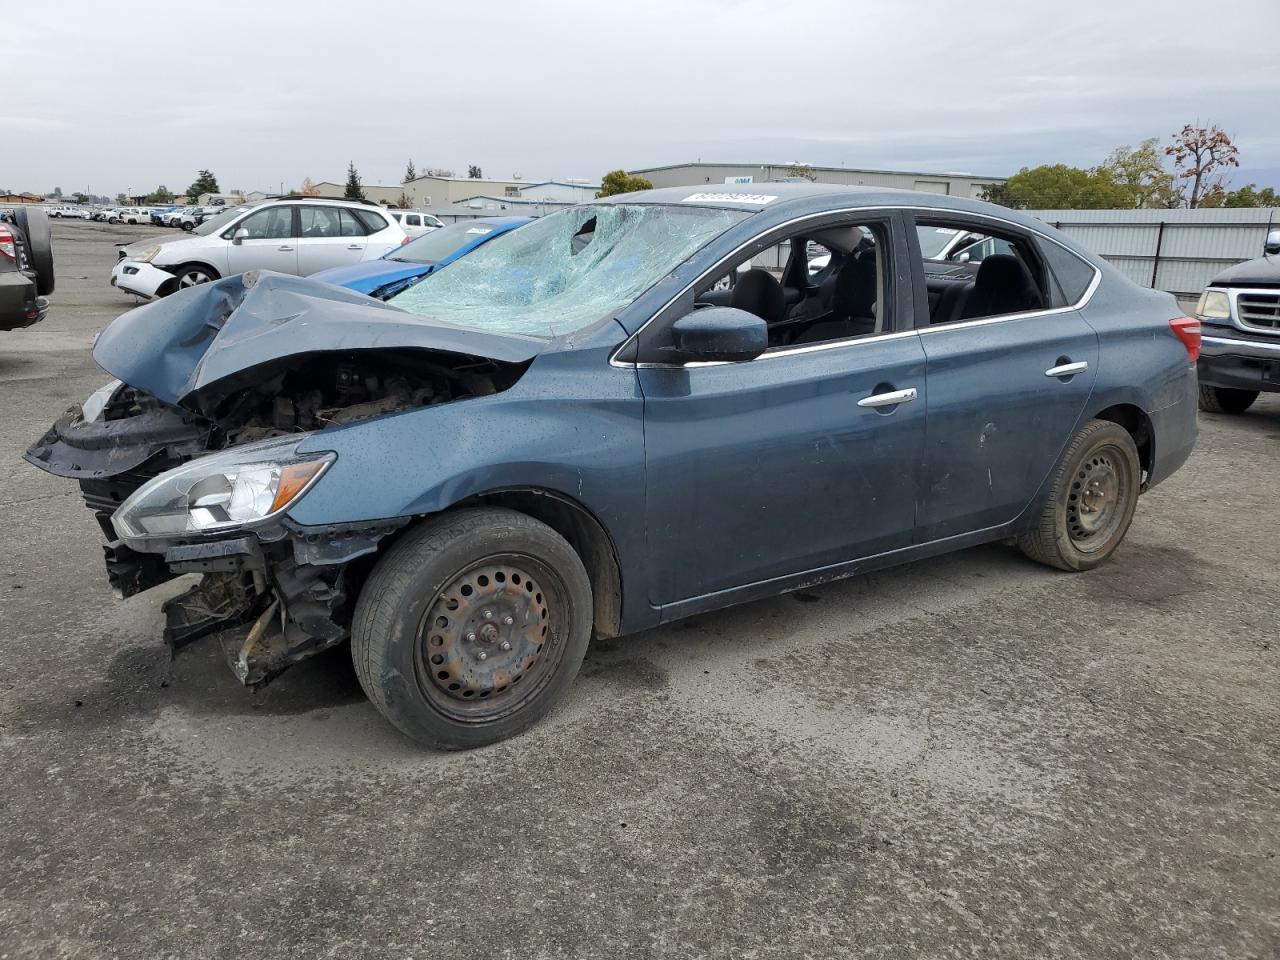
(567, 270)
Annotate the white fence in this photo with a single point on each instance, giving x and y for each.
(1174, 250)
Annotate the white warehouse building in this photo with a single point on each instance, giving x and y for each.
(686, 174)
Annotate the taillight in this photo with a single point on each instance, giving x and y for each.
(404, 241)
(7, 246)
(1187, 329)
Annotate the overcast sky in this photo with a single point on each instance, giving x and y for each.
(269, 93)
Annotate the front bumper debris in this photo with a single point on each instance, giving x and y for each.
(140, 279)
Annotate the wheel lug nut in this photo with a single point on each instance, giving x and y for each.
(487, 614)
(506, 645)
(508, 620)
(471, 638)
(482, 655)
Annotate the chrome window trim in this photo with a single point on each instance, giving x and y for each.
(870, 210)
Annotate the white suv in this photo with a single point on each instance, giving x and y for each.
(299, 235)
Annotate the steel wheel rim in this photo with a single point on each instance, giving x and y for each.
(1097, 500)
(463, 668)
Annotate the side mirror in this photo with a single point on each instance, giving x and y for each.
(718, 334)
(1272, 246)
(240, 236)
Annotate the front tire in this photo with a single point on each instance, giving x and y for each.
(1092, 500)
(472, 627)
(1225, 400)
(190, 275)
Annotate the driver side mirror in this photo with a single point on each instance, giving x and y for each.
(1272, 245)
(718, 334)
(240, 236)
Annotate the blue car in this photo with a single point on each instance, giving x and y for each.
(405, 266)
(627, 412)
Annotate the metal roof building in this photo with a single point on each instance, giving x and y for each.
(686, 174)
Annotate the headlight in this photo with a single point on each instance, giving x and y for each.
(97, 402)
(1214, 305)
(148, 255)
(238, 488)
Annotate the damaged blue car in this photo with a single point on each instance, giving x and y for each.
(624, 413)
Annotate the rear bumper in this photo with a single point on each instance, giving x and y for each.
(20, 306)
(1239, 364)
(1174, 428)
(141, 279)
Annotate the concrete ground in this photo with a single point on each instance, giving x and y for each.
(972, 756)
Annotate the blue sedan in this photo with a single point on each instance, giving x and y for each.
(405, 266)
(633, 410)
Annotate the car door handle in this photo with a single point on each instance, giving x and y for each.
(888, 399)
(1067, 369)
(355, 246)
(286, 247)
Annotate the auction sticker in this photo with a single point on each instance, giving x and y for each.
(758, 198)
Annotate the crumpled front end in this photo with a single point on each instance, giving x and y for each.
(191, 465)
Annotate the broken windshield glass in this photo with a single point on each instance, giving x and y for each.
(566, 271)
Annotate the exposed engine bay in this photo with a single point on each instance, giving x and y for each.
(291, 582)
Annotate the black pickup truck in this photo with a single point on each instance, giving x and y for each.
(26, 267)
(1239, 314)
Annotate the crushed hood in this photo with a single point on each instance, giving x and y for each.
(177, 347)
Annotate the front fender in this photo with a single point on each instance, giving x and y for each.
(572, 425)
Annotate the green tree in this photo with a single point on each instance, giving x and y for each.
(1140, 171)
(619, 181)
(354, 190)
(409, 172)
(1250, 196)
(802, 170)
(79, 197)
(121, 198)
(161, 194)
(1202, 157)
(474, 172)
(1060, 187)
(997, 193)
(205, 182)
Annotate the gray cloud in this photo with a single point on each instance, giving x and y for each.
(270, 93)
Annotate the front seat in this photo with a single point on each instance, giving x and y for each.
(1002, 285)
(853, 302)
(758, 291)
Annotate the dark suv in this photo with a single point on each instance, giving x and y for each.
(26, 267)
(1240, 346)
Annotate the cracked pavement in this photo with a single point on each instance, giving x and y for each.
(967, 756)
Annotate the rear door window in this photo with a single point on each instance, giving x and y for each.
(372, 220)
(987, 273)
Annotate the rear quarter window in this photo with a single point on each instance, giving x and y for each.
(1073, 275)
(373, 222)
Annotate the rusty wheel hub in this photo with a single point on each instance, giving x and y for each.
(486, 631)
(1095, 503)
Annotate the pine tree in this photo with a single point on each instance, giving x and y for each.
(354, 190)
(205, 182)
(474, 172)
(409, 172)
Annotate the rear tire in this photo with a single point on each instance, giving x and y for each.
(472, 627)
(1091, 502)
(34, 224)
(1226, 400)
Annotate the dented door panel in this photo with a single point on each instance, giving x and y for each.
(996, 423)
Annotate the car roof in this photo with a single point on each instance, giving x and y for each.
(792, 199)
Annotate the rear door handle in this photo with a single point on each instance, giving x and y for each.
(355, 246)
(1067, 369)
(286, 247)
(889, 399)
